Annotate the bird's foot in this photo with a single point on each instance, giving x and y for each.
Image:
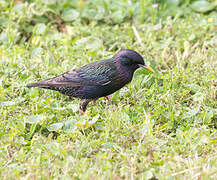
(83, 105)
(109, 99)
(81, 111)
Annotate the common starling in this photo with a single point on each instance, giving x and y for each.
(97, 79)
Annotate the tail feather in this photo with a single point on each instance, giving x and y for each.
(37, 84)
(59, 81)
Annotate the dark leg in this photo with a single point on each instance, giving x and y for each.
(83, 105)
(109, 99)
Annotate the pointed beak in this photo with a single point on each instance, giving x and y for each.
(146, 67)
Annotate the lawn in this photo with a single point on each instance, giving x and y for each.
(162, 125)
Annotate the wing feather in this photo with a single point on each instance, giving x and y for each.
(97, 73)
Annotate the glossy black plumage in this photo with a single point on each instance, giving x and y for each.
(97, 79)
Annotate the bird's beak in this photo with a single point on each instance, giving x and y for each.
(146, 67)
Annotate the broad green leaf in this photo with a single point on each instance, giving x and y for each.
(117, 16)
(148, 174)
(173, 2)
(34, 119)
(70, 125)
(40, 28)
(202, 6)
(192, 37)
(4, 21)
(69, 14)
(55, 126)
(3, 37)
(194, 87)
(198, 97)
(190, 113)
(73, 107)
(18, 7)
(36, 52)
(90, 43)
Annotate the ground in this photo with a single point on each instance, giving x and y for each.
(160, 126)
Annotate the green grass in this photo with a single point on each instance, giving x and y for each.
(160, 126)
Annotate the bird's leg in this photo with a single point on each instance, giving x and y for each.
(83, 105)
(109, 99)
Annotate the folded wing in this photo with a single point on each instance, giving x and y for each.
(98, 73)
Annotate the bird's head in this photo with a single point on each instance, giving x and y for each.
(131, 60)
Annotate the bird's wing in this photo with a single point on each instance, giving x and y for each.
(99, 73)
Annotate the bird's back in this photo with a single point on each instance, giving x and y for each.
(91, 81)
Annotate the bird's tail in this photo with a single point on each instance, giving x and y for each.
(38, 84)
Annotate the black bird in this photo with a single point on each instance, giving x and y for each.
(97, 79)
